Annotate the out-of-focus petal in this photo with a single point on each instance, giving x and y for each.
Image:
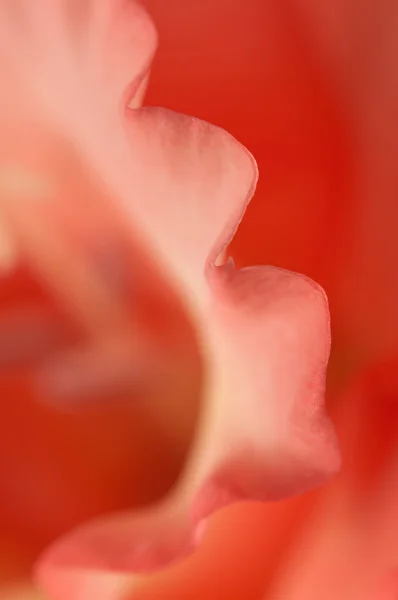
(258, 77)
(20, 592)
(349, 544)
(204, 180)
(221, 568)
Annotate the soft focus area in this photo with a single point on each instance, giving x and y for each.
(310, 89)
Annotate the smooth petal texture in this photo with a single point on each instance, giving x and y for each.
(204, 180)
(264, 335)
(356, 47)
(99, 460)
(76, 54)
(240, 313)
(20, 592)
(239, 552)
(71, 67)
(175, 190)
(273, 438)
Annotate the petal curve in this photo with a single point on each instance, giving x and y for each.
(270, 351)
(209, 177)
(265, 341)
(263, 333)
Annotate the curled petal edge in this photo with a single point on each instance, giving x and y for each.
(263, 332)
(264, 433)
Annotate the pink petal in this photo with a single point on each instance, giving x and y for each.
(270, 331)
(181, 187)
(71, 52)
(204, 181)
(72, 65)
(348, 545)
(264, 335)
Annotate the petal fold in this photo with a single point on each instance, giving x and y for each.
(204, 181)
(263, 436)
(177, 188)
(70, 58)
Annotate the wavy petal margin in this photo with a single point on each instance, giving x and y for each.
(180, 186)
(264, 334)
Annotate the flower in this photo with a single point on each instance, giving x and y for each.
(112, 209)
(310, 90)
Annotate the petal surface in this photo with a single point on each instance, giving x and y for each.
(348, 546)
(174, 190)
(264, 338)
(204, 180)
(73, 53)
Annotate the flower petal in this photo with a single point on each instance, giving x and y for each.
(348, 546)
(264, 335)
(69, 62)
(204, 180)
(71, 52)
(182, 187)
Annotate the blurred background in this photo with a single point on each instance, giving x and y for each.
(311, 89)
